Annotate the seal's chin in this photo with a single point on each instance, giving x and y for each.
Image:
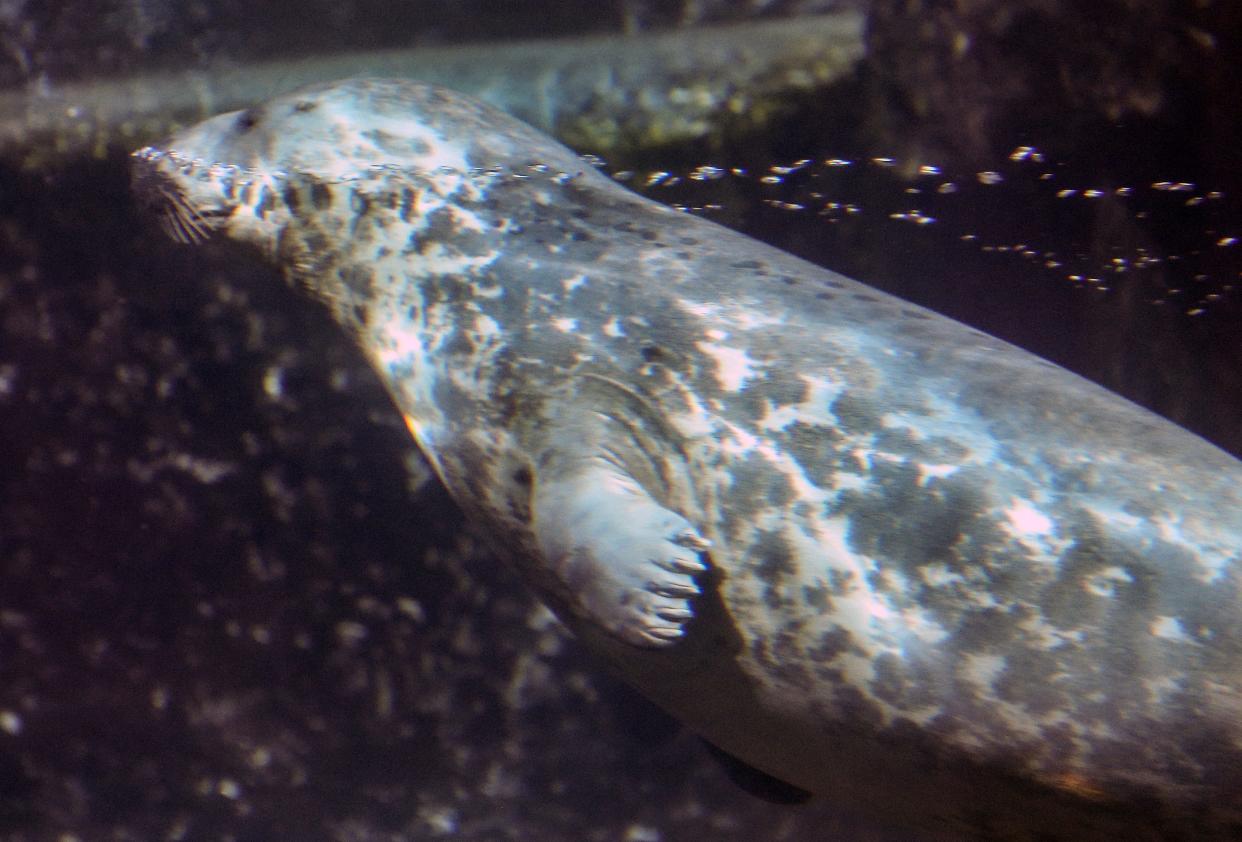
(183, 220)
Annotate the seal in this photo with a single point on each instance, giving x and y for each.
(862, 547)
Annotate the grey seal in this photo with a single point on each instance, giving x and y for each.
(861, 546)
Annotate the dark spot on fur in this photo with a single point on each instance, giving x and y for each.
(862, 296)
(320, 195)
(1030, 676)
(649, 236)
(747, 264)
(816, 598)
(915, 314)
(247, 120)
(316, 242)
(761, 486)
(985, 628)
(652, 353)
(841, 582)
(408, 204)
(889, 684)
(814, 448)
(302, 106)
(522, 476)
(856, 413)
(776, 562)
(358, 279)
(459, 343)
(264, 204)
(825, 296)
(832, 644)
(580, 236)
(293, 200)
(855, 712)
(789, 280)
(442, 227)
(781, 655)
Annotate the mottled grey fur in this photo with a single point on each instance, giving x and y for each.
(946, 581)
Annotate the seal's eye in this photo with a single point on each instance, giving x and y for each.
(247, 120)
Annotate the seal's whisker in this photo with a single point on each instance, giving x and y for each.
(195, 220)
(170, 227)
(191, 226)
(176, 220)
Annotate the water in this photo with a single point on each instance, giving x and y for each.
(229, 610)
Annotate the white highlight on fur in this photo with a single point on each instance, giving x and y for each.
(927, 473)
(1169, 628)
(1212, 549)
(398, 346)
(437, 260)
(1026, 520)
(815, 410)
(467, 220)
(571, 284)
(733, 365)
(735, 315)
(1106, 582)
(486, 326)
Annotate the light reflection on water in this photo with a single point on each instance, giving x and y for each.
(1197, 269)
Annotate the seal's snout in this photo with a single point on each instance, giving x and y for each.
(156, 178)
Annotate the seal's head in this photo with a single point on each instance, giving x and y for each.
(233, 173)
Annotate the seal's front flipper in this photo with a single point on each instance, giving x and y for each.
(629, 562)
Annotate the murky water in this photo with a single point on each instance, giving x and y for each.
(230, 610)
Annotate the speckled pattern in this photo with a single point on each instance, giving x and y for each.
(228, 613)
(947, 577)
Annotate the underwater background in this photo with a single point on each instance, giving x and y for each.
(232, 603)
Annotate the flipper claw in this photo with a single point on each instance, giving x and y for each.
(675, 590)
(629, 562)
(692, 540)
(677, 564)
(665, 634)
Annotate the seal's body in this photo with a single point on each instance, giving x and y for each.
(941, 578)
